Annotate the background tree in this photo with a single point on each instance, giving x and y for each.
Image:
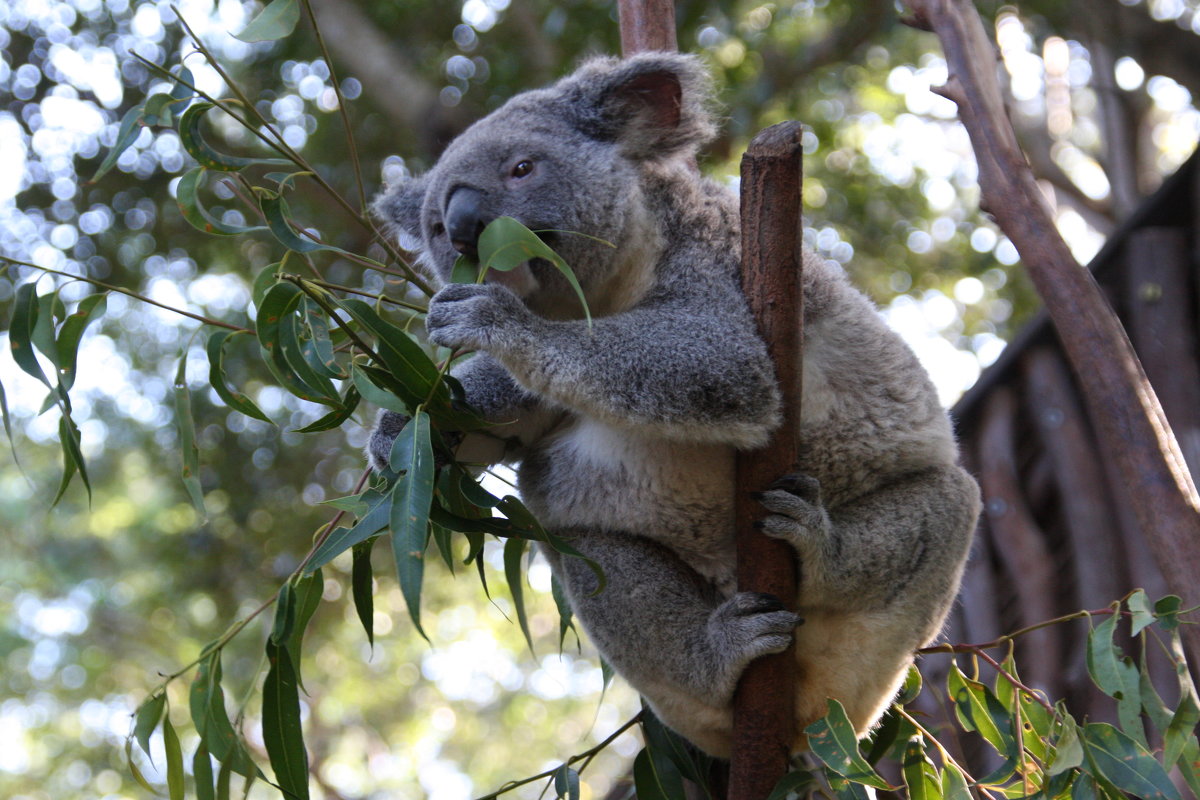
(98, 597)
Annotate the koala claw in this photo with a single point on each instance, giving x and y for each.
(472, 316)
(797, 514)
(751, 624)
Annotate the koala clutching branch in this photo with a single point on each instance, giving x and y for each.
(624, 431)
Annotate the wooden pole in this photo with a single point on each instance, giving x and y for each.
(646, 25)
(1133, 429)
(764, 716)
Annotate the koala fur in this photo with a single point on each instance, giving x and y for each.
(625, 433)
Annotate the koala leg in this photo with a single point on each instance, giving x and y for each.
(668, 631)
(904, 541)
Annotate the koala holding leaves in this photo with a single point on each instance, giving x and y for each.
(625, 430)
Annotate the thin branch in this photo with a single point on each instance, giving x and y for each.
(110, 288)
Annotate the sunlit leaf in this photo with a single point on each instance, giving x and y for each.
(193, 142)
(920, 776)
(1068, 749)
(978, 709)
(911, 687)
(412, 498)
(954, 784)
(890, 735)
(276, 21)
(133, 768)
(1126, 764)
(362, 588)
(308, 591)
(189, 452)
(832, 739)
(277, 305)
(282, 733)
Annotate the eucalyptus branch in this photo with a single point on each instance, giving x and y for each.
(1008, 637)
(1016, 682)
(373, 295)
(351, 144)
(281, 147)
(110, 288)
(320, 538)
(946, 757)
(319, 300)
(586, 756)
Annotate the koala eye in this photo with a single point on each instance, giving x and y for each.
(522, 168)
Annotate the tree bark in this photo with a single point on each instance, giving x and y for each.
(764, 706)
(1133, 429)
(647, 25)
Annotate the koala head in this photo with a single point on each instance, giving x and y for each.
(563, 158)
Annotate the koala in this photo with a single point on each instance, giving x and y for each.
(623, 432)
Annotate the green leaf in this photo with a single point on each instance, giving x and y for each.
(513, 550)
(954, 784)
(1181, 730)
(911, 687)
(285, 614)
(361, 581)
(207, 702)
(1068, 749)
(133, 768)
(202, 772)
(794, 784)
(1103, 661)
(174, 760)
(187, 198)
(276, 21)
(127, 134)
(282, 734)
(335, 418)
(216, 377)
(1122, 761)
(978, 709)
(317, 349)
(566, 783)
(1143, 615)
(291, 337)
(21, 332)
(193, 142)
(401, 356)
(653, 784)
(1167, 612)
(465, 270)
(1189, 764)
(412, 498)
(565, 614)
(920, 776)
(893, 728)
(146, 720)
(307, 589)
(278, 215)
(1129, 701)
(505, 243)
(69, 438)
(90, 309)
(189, 452)
(183, 84)
(663, 743)
(832, 739)
(8, 424)
(365, 378)
(276, 305)
(267, 277)
(379, 509)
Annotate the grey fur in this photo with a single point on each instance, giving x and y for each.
(625, 432)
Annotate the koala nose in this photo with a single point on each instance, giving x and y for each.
(465, 219)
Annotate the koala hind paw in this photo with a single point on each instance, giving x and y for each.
(751, 624)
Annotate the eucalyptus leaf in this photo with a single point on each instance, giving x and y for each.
(276, 21)
(832, 739)
(281, 729)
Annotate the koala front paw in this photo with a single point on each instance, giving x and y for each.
(797, 514)
(749, 625)
(379, 447)
(470, 316)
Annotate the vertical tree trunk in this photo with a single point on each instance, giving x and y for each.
(764, 706)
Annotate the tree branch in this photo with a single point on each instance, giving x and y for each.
(1133, 429)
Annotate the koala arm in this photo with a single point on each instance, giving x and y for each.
(517, 416)
(683, 367)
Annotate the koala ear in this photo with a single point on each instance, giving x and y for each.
(399, 208)
(653, 104)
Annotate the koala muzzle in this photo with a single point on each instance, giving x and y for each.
(465, 219)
